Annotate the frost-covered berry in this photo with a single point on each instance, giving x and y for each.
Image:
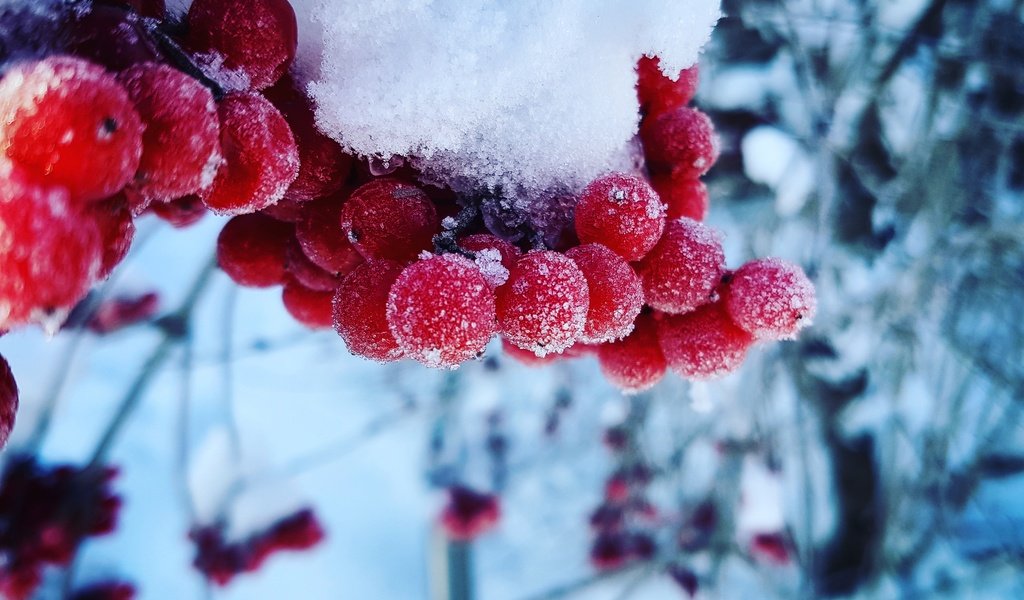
(704, 343)
(49, 253)
(482, 245)
(390, 219)
(469, 514)
(8, 401)
(683, 270)
(682, 142)
(181, 143)
(114, 220)
(305, 272)
(312, 308)
(543, 306)
(251, 250)
(441, 311)
(68, 122)
(616, 294)
(323, 167)
(360, 310)
(771, 298)
(635, 363)
(622, 212)
(323, 240)
(257, 37)
(683, 196)
(260, 156)
(657, 93)
(180, 213)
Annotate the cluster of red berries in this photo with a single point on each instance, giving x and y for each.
(8, 401)
(45, 514)
(469, 514)
(220, 560)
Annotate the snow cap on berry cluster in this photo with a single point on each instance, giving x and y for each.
(525, 95)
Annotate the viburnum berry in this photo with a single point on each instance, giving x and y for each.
(616, 294)
(114, 221)
(771, 547)
(110, 35)
(682, 142)
(480, 244)
(49, 256)
(68, 122)
(183, 212)
(323, 240)
(657, 93)
(683, 196)
(260, 156)
(530, 359)
(683, 270)
(770, 298)
(251, 250)
(360, 310)
(621, 211)
(609, 551)
(8, 401)
(635, 363)
(121, 312)
(390, 219)
(286, 210)
(307, 273)
(257, 37)
(441, 311)
(181, 143)
(543, 306)
(704, 343)
(312, 308)
(323, 167)
(469, 514)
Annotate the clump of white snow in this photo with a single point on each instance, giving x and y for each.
(528, 95)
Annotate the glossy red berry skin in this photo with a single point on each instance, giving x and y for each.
(683, 270)
(322, 238)
(260, 156)
(307, 273)
(181, 213)
(657, 93)
(68, 122)
(257, 37)
(683, 196)
(682, 142)
(441, 311)
(703, 344)
(635, 363)
(114, 221)
(390, 219)
(312, 308)
(8, 401)
(181, 142)
(360, 310)
(616, 293)
(622, 212)
(251, 250)
(543, 306)
(770, 298)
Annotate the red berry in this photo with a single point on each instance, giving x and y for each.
(112, 36)
(307, 273)
(480, 243)
(704, 343)
(360, 310)
(8, 401)
(181, 143)
(286, 210)
(543, 306)
(469, 514)
(771, 546)
(616, 294)
(622, 212)
(636, 363)
(260, 156)
(323, 240)
(609, 551)
(180, 213)
(390, 219)
(49, 256)
(682, 142)
(683, 270)
(683, 196)
(251, 250)
(118, 313)
(117, 230)
(68, 122)
(441, 311)
(257, 37)
(312, 308)
(657, 93)
(109, 590)
(323, 167)
(771, 299)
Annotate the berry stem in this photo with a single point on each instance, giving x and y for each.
(181, 60)
(171, 337)
(446, 242)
